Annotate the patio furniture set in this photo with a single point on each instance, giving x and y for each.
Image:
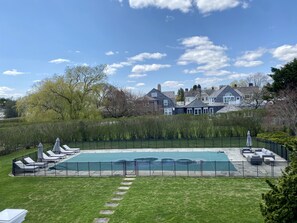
(258, 156)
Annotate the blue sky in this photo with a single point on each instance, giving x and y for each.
(177, 43)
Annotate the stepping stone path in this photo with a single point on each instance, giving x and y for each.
(101, 220)
(122, 190)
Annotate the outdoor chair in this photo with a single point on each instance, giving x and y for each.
(254, 159)
(63, 151)
(52, 154)
(49, 159)
(67, 148)
(31, 162)
(26, 168)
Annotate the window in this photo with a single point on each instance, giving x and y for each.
(228, 98)
(154, 94)
(205, 110)
(211, 111)
(189, 111)
(168, 111)
(197, 111)
(165, 102)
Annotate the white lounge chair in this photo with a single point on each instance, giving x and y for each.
(52, 154)
(76, 150)
(31, 162)
(65, 151)
(26, 168)
(49, 159)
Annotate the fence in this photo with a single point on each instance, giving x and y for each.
(169, 168)
(217, 142)
(172, 168)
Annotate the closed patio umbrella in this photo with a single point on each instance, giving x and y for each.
(249, 140)
(40, 152)
(56, 148)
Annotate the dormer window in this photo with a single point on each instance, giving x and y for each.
(154, 94)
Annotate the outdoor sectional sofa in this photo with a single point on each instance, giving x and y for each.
(263, 153)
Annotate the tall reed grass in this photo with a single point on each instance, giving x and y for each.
(135, 128)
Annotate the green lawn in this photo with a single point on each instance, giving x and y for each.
(150, 199)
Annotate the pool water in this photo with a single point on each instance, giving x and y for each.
(171, 161)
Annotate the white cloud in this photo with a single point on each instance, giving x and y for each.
(208, 82)
(207, 73)
(140, 84)
(245, 63)
(109, 53)
(111, 69)
(249, 58)
(169, 18)
(237, 76)
(204, 6)
(200, 50)
(207, 6)
(77, 51)
(148, 67)
(130, 88)
(13, 72)
(5, 92)
(59, 60)
(285, 53)
(136, 75)
(144, 56)
(182, 5)
(172, 84)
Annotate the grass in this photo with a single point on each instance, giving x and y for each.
(150, 199)
(191, 200)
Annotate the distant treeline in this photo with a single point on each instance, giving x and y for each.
(22, 134)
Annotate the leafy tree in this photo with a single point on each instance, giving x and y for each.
(10, 109)
(284, 77)
(180, 95)
(69, 96)
(280, 203)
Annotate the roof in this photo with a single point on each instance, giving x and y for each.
(208, 91)
(229, 108)
(169, 94)
(196, 104)
(218, 92)
(191, 93)
(248, 90)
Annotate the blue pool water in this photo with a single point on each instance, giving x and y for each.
(176, 161)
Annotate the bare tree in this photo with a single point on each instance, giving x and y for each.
(257, 79)
(284, 110)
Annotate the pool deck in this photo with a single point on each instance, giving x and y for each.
(244, 168)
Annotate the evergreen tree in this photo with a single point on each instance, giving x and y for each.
(280, 203)
(284, 77)
(180, 95)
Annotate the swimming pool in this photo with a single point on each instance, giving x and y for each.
(152, 161)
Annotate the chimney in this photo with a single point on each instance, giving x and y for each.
(159, 87)
(251, 85)
(186, 89)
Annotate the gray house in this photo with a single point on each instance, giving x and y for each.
(197, 107)
(160, 103)
(226, 95)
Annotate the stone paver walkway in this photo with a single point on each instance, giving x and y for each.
(122, 190)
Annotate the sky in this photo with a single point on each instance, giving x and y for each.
(175, 43)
